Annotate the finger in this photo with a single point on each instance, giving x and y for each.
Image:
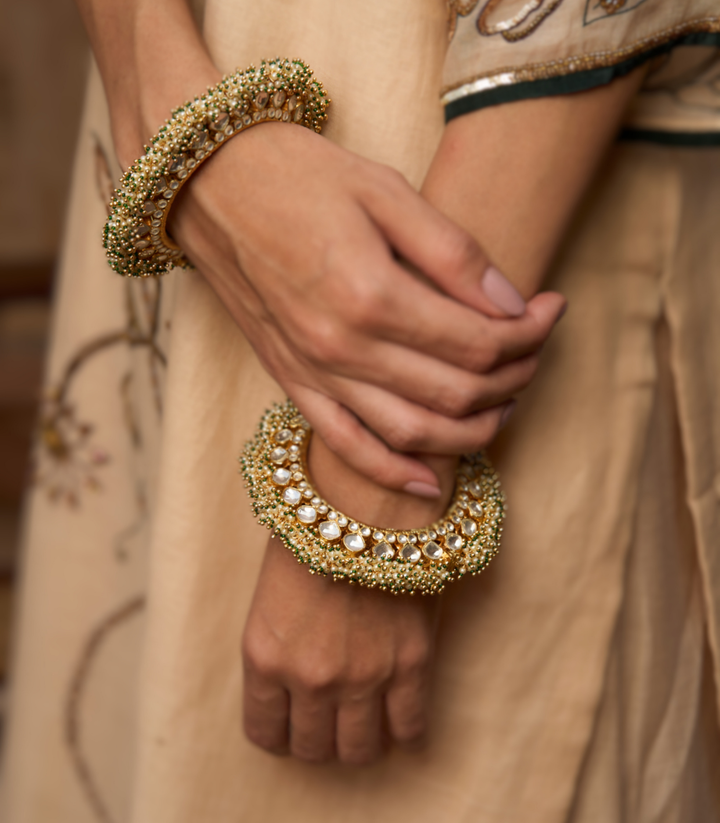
(406, 711)
(423, 380)
(395, 306)
(410, 428)
(362, 450)
(413, 375)
(359, 731)
(266, 712)
(312, 726)
(445, 253)
(449, 331)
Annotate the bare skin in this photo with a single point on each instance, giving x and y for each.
(519, 213)
(331, 671)
(309, 308)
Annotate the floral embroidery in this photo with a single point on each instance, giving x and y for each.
(66, 460)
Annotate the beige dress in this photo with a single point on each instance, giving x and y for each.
(576, 679)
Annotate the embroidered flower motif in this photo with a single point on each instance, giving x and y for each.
(66, 461)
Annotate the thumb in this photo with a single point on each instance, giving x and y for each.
(547, 309)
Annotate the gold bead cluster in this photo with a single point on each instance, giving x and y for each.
(463, 541)
(135, 236)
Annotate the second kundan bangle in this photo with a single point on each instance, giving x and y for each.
(462, 542)
(135, 238)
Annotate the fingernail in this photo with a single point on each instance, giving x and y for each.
(507, 413)
(502, 292)
(421, 489)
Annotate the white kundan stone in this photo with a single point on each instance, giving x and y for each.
(329, 529)
(432, 550)
(292, 496)
(306, 514)
(384, 550)
(281, 477)
(411, 553)
(353, 542)
(475, 508)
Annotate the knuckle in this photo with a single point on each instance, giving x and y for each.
(486, 356)
(259, 654)
(413, 662)
(323, 343)
(317, 680)
(364, 307)
(457, 399)
(484, 360)
(459, 249)
(487, 428)
(408, 435)
(357, 294)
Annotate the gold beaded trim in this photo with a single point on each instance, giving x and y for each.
(135, 237)
(463, 541)
(510, 76)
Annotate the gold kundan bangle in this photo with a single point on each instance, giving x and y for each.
(135, 238)
(463, 541)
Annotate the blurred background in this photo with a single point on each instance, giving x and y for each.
(43, 61)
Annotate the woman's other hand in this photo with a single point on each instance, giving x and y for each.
(333, 671)
(301, 240)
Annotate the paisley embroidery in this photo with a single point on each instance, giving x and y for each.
(458, 8)
(522, 24)
(529, 17)
(513, 28)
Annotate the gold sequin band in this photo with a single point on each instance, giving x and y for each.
(135, 237)
(463, 541)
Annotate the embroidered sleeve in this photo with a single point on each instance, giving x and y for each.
(504, 50)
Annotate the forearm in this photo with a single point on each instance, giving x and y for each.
(151, 59)
(513, 175)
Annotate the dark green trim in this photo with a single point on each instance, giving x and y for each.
(572, 82)
(672, 138)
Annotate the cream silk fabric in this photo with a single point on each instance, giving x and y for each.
(575, 678)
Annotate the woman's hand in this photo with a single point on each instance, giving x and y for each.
(301, 239)
(333, 670)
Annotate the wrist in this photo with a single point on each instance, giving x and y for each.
(369, 502)
(169, 66)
